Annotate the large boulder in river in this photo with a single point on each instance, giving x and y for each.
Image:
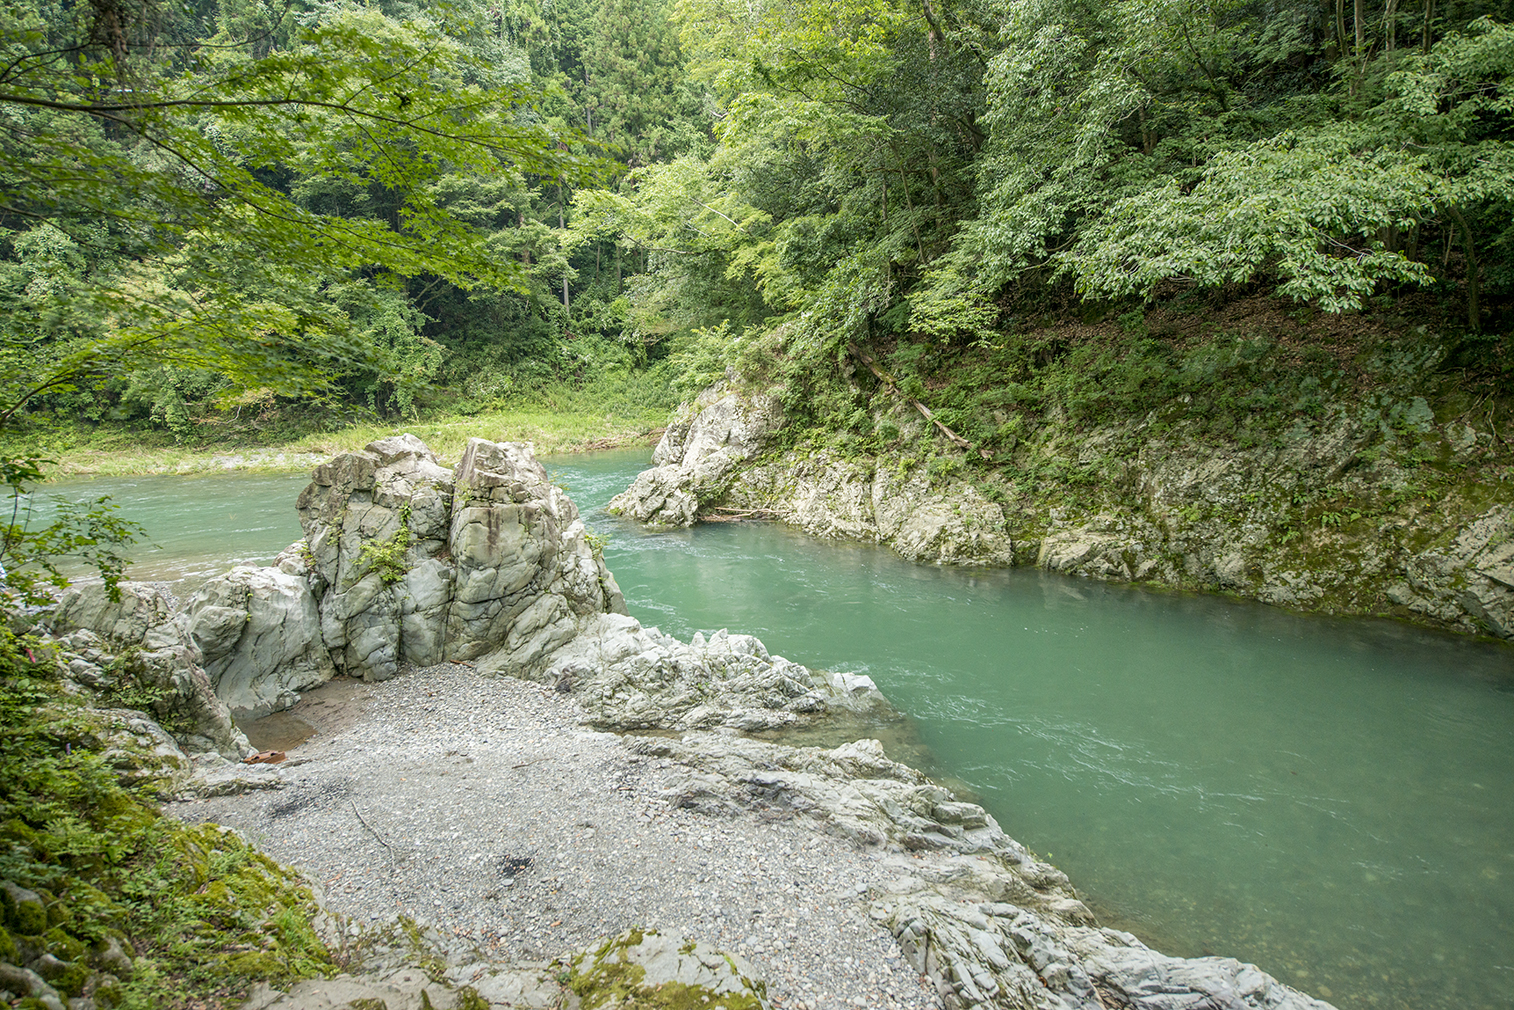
(412, 563)
(699, 454)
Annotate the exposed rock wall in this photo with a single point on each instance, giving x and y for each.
(258, 633)
(133, 647)
(715, 454)
(413, 563)
(1323, 520)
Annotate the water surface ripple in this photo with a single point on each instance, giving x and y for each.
(1333, 800)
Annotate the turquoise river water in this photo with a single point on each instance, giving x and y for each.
(1333, 800)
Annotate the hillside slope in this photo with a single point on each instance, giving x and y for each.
(1344, 465)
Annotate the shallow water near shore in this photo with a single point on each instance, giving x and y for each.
(1333, 800)
(198, 525)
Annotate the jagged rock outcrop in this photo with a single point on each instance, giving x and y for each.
(413, 563)
(699, 453)
(991, 925)
(406, 562)
(711, 455)
(627, 677)
(259, 636)
(135, 648)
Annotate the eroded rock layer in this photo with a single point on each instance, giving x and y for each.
(1323, 520)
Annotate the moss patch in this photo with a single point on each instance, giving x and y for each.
(204, 913)
(611, 979)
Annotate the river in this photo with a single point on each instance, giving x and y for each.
(1333, 800)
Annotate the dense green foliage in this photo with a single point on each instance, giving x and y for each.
(204, 914)
(391, 205)
(241, 204)
(948, 174)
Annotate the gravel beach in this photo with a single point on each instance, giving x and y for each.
(481, 807)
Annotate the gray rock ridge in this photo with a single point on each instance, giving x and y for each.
(407, 563)
(1324, 520)
(411, 563)
(699, 455)
(133, 646)
(989, 923)
(627, 677)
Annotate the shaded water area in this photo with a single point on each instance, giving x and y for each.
(1333, 800)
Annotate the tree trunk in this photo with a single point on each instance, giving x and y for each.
(1390, 25)
(562, 224)
(1359, 23)
(1429, 15)
(1474, 301)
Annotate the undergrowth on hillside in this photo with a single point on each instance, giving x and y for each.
(1252, 373)
(204, 914)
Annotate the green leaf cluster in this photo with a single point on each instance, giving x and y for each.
(933, 174)
(206, 915)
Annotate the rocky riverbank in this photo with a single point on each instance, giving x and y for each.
(511, 826)
(1372, 509)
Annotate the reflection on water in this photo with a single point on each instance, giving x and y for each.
(1333, 800)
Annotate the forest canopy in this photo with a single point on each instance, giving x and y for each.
(224, 201)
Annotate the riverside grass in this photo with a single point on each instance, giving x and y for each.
(554, 421)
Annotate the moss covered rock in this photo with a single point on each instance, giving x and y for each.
(648, 969)
(25, 911)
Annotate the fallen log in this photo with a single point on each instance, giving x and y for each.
(925, 412)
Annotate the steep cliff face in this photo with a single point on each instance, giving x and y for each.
(1378, 509)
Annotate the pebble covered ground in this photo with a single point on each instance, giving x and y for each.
(481, 807)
